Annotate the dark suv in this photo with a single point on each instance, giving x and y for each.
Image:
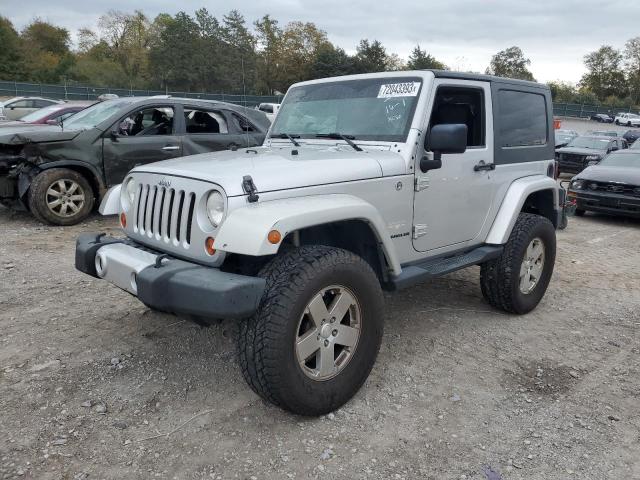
(586, 150)
(60, 174)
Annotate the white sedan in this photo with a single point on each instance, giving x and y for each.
(17, 107)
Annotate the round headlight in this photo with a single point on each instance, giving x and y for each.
(130, 190)
(215, 207)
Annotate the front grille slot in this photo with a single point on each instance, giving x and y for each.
(164, 214)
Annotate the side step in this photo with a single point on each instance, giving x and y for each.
(419, 272)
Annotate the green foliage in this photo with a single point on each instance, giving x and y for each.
(370, 57)
(605, 76)
(11, 60)
(510, 63)
(421, 60)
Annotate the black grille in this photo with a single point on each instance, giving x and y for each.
(611, 187)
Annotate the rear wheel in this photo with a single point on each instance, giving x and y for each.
(517, 280)
(317, 332)
(60, 196)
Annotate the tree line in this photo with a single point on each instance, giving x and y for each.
(198, 53)
(202, 53)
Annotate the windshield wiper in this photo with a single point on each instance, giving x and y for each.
(289, 136)
(339, 136)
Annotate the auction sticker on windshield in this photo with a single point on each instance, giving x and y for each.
(406, 89)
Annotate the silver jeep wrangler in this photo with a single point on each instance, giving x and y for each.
(364, 183)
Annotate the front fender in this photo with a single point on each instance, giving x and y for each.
(110, 204)
(245, 230)
(512, 205)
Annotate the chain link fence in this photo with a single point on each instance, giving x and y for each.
(577, 110)
(75, 92)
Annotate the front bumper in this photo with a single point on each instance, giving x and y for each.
(606, 203)
(168, 284)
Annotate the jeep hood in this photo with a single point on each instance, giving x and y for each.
(603, 173)
(35, 134)
(280, 168)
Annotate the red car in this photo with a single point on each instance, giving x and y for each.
(51, 115)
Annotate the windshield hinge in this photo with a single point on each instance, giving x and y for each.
(249, 187)
(421, 182)
(419, 230)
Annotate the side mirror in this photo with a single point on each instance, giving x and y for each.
(445, 138)
(52, 122)
(114, 135)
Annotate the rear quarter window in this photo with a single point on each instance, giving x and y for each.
(523, 119)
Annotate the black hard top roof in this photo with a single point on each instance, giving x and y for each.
(486, 78)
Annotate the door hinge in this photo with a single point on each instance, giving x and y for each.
(421, 183)
(419, 230)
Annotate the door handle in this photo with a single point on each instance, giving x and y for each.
(170, 147)
(484, 166)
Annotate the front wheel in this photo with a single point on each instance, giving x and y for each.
(517, 280)
(317, 332)
(60, 196)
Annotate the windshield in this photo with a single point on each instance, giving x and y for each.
(92, 116)
(371, 109)
(590, 142)
(43, 112)
(625, 159)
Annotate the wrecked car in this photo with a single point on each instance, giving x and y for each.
(59, 174)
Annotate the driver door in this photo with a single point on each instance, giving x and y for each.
(145, 135)
(451, 204)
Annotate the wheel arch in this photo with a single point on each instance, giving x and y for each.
(310, 220)
(538, 194)
(88, 171)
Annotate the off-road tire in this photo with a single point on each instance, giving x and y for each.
(37, 196)
(499, 278)
(579, 212)
(267, 340)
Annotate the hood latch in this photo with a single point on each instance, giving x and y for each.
(249, 187)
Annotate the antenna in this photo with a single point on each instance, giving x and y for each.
(244, 100)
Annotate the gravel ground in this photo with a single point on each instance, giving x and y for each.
(95, 385)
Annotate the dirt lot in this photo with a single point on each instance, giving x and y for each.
(95, 385)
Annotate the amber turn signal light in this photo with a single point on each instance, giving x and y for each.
(123, 220)
(208, 246)
(274, 237)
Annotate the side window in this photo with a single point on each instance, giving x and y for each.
(204, 121)
(64, 116)
(461, 105)
(243, 124)
(147, 121)
(22, 104)
(523, 119)
(41, 103)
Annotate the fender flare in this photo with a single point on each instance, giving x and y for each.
(110, 204)
(245, 229)
(27, 175)
(513, 202)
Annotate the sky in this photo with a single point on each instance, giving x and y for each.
(464, 34)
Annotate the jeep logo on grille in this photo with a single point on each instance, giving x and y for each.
(615, 188)
(164, 183)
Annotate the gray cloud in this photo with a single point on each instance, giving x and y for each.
(554, 34)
